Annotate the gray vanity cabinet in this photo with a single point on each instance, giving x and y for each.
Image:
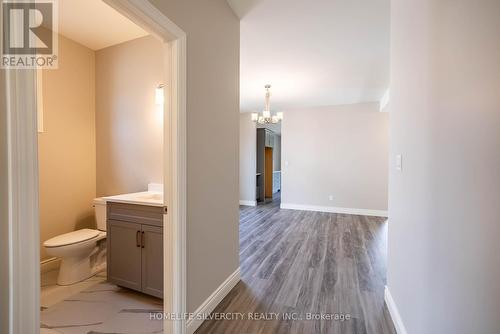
(135, 247)
(152, 261)
(124, 256)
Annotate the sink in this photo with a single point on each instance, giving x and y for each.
(142, 198)
(149, 196)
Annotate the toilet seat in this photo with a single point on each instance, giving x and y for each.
(72, 238)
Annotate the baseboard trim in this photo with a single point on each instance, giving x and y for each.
(212, 301)
(248, 203)
(349, 211)
(393, 311)
(49, 264)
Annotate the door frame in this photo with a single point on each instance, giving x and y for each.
(22, 160)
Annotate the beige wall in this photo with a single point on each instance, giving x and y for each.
(443, 257)
(340, 151)
(212, 141)
(66, 150)
(248, 157)
(128, 122)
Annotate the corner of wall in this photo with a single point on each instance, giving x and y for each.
(213, 300)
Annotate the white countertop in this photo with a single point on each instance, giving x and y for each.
(151, 198)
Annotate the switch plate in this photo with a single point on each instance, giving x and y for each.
(399, 162)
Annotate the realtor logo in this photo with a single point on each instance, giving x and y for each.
(29, 34)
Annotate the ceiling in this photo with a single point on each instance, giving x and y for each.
(313, 53)
(94, 24)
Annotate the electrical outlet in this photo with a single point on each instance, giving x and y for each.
(330, 198)
(399, 162)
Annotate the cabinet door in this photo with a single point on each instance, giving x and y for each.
(152, 260)
(124, 254)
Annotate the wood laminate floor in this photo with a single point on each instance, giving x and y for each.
(297, 264)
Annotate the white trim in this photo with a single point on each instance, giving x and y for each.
(50, 264)
(333, 209)
(212, 301)
(175, 165)
(39, 100)
(24, 239)
(148, 17)
(248, 203)
(393, 310)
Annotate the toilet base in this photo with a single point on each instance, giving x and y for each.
(74, 270)
(69, 277)
(77, 269)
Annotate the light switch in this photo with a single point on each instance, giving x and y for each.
(399, 162)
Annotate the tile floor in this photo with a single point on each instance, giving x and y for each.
(98, 308)
(51, 293)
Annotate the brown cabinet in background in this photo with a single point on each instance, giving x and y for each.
(264, 177)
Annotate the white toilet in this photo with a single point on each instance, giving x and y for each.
(81, 253)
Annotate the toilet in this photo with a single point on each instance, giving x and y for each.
(81, 252)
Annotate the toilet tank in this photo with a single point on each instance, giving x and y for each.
(100, 213)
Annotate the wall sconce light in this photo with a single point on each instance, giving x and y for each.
(160, 94)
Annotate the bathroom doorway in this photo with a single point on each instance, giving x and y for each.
(26, 292)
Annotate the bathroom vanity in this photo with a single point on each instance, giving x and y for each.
(135, 243)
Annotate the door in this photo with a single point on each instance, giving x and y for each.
(124, 254)
(269, 172)
(152, 260)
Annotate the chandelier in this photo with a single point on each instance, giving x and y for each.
(266, 117)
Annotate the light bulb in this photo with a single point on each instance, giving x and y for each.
(159, 95)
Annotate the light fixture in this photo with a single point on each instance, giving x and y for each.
(267, 117)
(160, 94)
(384, 101)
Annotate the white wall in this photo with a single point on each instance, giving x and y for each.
(340, 151)
(248, 156)
(443, 257)
(4, 226)
(213, 58)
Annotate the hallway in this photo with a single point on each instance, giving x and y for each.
(299, 262)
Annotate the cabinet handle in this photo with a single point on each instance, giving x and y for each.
(137, 241)
(143, 240)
